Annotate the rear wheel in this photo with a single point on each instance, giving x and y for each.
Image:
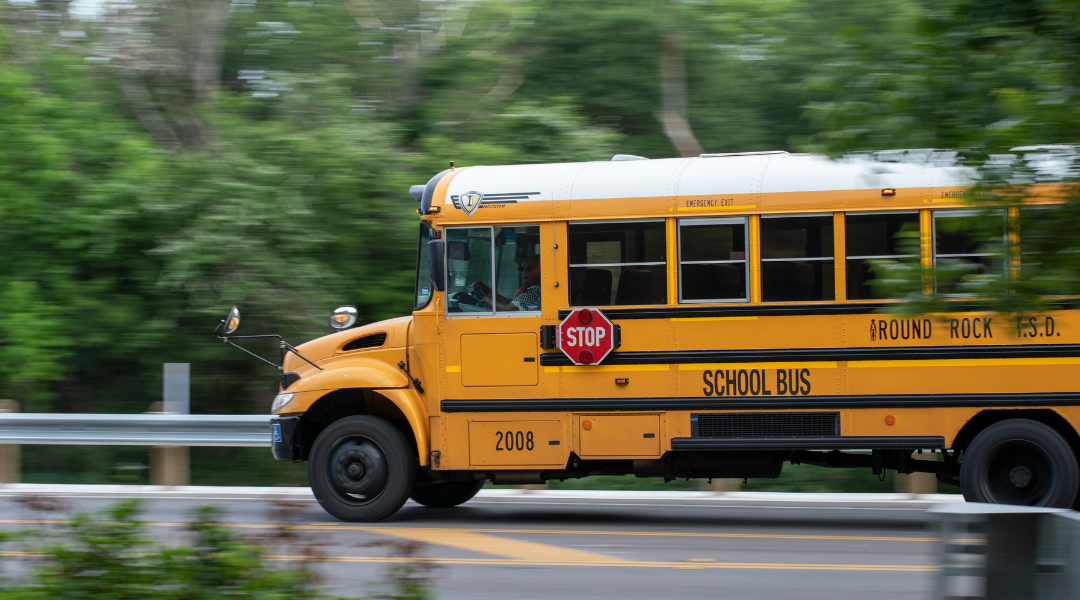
(1020, 462)
(446, 493)
(361, 469)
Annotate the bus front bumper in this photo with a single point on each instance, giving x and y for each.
(283, 438)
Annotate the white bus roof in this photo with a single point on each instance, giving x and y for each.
(752, 182)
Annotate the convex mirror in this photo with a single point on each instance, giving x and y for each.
(343, 317)
(232, 321)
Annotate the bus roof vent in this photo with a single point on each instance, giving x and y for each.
(742, 153)
(620, 157)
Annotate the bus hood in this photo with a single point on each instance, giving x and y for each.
(344, 345)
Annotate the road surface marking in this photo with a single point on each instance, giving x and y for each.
(695, 563)
(774, 536)
(463, 539)
(612, 563)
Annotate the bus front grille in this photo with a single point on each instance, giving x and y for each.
(765, 425)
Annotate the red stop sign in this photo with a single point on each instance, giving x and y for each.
(586, 336)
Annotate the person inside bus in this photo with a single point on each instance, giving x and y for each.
(527, 296)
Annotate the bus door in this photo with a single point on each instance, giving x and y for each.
(493, 309)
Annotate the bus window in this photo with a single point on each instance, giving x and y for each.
(617, 263)
(797, 258)
(967, 247)
(517, 268)
(872, 236)
(468, 267)
(712, 260)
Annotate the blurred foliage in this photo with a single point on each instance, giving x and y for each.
(163, 161)
(110, 555)
(996, 82)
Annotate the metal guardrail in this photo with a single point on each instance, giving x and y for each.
(135, 430)
(1003, 552)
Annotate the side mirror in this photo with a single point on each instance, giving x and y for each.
(343, 317)
(232, 321)
(436, 255)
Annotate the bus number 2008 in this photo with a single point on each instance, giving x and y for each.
(514, 440)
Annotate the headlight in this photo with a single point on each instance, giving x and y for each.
(280, 400)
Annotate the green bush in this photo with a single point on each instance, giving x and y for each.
(108, 555)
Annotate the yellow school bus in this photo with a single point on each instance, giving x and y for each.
(749, 336)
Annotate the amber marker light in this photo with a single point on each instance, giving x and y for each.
(890, 420)
(888, 192)
(586, 424)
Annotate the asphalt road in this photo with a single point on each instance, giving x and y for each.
(520, 544)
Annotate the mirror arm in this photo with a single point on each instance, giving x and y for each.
(249, 337)
(288, 348)
(278, 367)
(285, 347)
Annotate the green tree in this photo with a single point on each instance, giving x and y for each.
(992, 81)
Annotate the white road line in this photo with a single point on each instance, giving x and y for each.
(909, 507)
(489, 496)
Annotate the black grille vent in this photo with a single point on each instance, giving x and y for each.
(368, 341)
(765, 425)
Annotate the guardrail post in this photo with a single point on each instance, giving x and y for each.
(171, 465)
(10, 456)
(990, 551)
(1057, 561)
(724, 485)
(918, 483)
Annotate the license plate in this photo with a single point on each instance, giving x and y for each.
(277, 432)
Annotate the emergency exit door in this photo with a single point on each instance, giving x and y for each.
(499, 359)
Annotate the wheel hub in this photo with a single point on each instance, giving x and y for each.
(360, 468)
(355, 470)
(1020, 476)
(1019, 473)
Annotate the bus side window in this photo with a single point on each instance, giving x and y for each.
(874, 236)
(712, 260)
(797, 258)
(517, 268)
(617, 263)
(968, 246)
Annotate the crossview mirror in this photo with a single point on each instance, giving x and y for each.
(436, 263)
(232, 321)
(343, 317)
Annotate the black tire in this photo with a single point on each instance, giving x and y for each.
(1020, 462)
(361, 469)
(446, 494)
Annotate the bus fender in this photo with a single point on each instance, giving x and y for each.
(381, 380)
(412, 406)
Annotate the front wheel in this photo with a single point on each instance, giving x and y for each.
(446, 494)
(361, 469)
(1020, 461)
